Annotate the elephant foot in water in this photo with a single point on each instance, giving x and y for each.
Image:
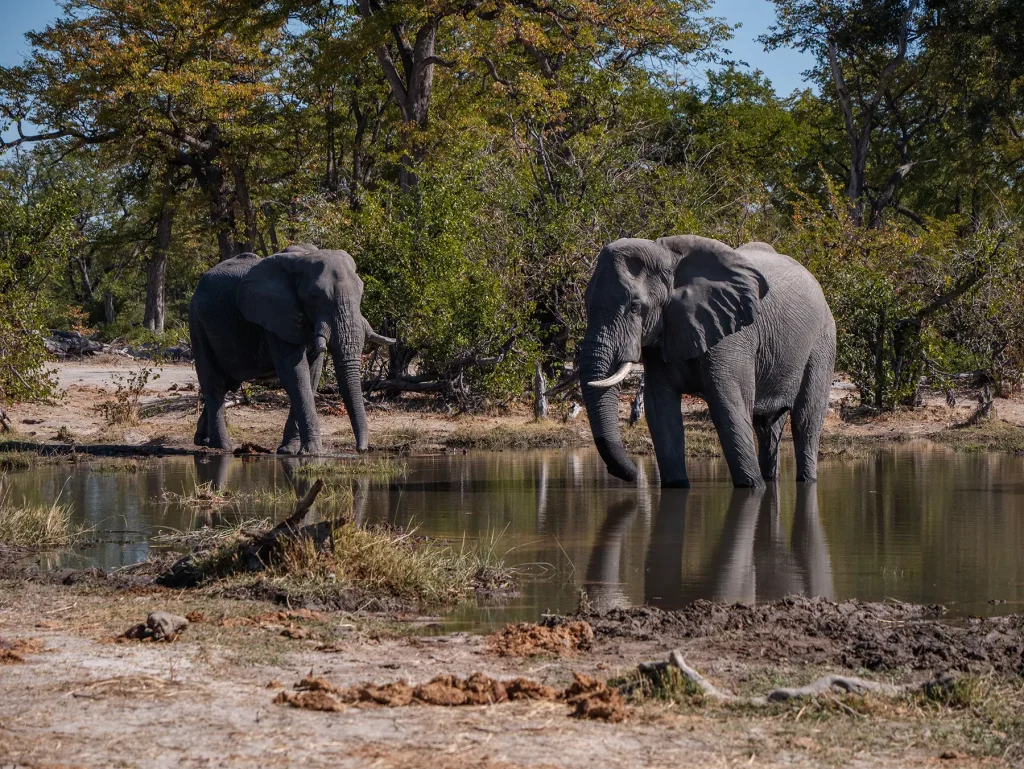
(295, 448)
(289, 449)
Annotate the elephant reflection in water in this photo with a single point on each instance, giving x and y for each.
(753, 560)
(214, 469)
(603, 582)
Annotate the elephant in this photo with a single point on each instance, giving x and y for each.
(747, 329)
(254, 319)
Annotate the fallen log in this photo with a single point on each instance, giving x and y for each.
(829, 684)
(259, 552)
(103, 449)
(123, 450)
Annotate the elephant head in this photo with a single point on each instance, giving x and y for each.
(683, 294)
(312, 297)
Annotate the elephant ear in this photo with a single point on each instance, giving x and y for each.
(266, 296)
(716, 291)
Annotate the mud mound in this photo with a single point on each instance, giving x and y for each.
(15, 651)
(589, 697)
(876, 636)
(310, 701)
(549, 637)
(159, 626)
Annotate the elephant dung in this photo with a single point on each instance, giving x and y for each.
(159, 626)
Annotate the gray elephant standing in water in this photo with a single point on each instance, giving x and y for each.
(747, 329)
(255, 319)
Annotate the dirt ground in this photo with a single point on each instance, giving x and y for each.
(208, 699)
(170, 408)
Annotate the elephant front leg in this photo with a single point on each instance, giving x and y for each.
(291, 442)
(293, 371)
(663, 402)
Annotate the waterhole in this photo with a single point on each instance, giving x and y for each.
(917, 524)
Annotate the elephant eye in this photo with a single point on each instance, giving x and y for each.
(635, 306)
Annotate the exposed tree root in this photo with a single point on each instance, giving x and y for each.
(825, 685)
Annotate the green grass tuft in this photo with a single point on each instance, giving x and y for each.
(383, 562)
(379, 469)
(113, 466)
(17, 460)
(36, 525)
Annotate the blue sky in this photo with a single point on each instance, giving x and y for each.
(782, 67)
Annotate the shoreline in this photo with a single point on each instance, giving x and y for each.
(262, 677)
(76, 423)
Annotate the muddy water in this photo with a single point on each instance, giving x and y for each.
(917, 524)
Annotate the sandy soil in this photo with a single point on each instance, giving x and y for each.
(170, 406)
(208, 698)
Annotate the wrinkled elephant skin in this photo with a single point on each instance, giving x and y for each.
(747, 329)
(253, 318)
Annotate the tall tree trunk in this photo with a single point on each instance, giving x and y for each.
(108, 308)
(332, 178)
(156, 269)
(880, 362)
(412, 87)
(245, 203)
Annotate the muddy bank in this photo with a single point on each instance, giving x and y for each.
(854, 635)
(286, 687)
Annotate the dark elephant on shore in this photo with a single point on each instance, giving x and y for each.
(255, 319)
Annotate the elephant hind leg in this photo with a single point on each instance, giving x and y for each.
(211, 429)
(768, 429)
(811, 406)
(201, 438)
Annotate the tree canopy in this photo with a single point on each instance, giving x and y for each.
(474, 157)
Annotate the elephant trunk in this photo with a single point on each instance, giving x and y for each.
(350, 384)
(603, 412)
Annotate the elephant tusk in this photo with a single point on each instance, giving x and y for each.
(321, 344)
(374, 338)
(615, 378)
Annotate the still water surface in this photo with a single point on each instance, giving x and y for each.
(917, 524)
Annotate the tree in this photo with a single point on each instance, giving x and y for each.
(182, 84)
(861, 46)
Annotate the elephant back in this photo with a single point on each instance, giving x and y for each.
(222, 280)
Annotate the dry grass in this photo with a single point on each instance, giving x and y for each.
(33, 525)
(114, 466)
(384, 563)
(202, 495)
(400, 440)
(534, 435)
(989, 435)
(17, 460)
(207, 537)
(701, 438)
